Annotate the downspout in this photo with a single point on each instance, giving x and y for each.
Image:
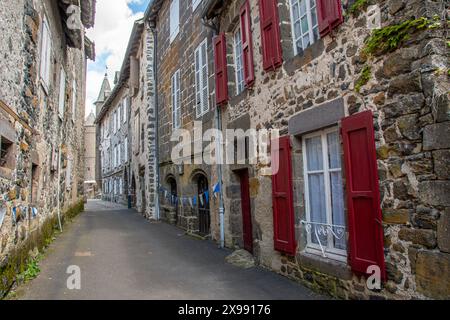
(59, 187)
(218, 116)
(155, 83)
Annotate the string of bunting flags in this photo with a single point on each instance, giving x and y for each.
(193, 201)
(18, 212)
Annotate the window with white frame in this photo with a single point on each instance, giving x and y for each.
(324, 194)
(125, 109)
(46, 49)
(176, 100)
(74, 100)
(118, 118)
(174, 19)
(126, 149)
(305, 27)
(62, 93)
(195, 4)
(238, 61)
(119, 154)
(201, 79)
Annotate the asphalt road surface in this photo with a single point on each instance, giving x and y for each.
(123, 256)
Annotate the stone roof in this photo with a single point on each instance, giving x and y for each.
(90, 120)
(105, 90)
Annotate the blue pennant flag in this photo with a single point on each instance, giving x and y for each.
(217, 188)
(207, 197)
(194, 201)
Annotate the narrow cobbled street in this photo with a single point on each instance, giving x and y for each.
(122, 256)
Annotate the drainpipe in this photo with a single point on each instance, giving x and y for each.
(155, 81)
(219, 172)
(218, 116)
(59, 188)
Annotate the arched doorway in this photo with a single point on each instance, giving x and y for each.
(204, 214)
(174, 192)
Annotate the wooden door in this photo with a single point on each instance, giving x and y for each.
(246, 212)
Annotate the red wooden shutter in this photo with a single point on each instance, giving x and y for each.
(220, 61)
(282, 195)
(329, 14)
(364, 212)
(247, 44)
(270, 34)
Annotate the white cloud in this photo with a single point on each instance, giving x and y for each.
(113, 24)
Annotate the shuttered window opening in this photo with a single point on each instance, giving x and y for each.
(366, 243)
(282, 198)
(220, 65)
(324, 194)
(174, 19)
(329, 14)
(247, 44)
(125, 109)
(62, 93)
(201, 79)
(270, 34)
(176, 100)
(74, 100)
(46, 48)
(304, 22)
(238, 61)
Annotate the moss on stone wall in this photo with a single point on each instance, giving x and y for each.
(18, 259)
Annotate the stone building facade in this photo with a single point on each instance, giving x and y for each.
(132, 99)
(364, 148)
(90, 153)
(42, 93)
(143, 122)
(113, 122)
(185, 95)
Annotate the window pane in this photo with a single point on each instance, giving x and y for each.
(314, 153)
(295, 10)
(302, 7)
(334, 156)
(297, 29)
(337, 203)
(317, 206)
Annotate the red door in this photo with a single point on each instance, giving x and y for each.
(246, 212)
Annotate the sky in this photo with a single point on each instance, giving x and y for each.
(113, 23)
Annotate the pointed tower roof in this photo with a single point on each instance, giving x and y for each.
(90, 120)
(105, 89)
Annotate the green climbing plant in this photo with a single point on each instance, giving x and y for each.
(389, 38)
(366, 74)
(357, 6)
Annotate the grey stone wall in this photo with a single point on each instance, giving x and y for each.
(34, 124)
(170, 57)
(408, 93)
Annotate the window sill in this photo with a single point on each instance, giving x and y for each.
(292, 64)
(328, 266)
(235, 100)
